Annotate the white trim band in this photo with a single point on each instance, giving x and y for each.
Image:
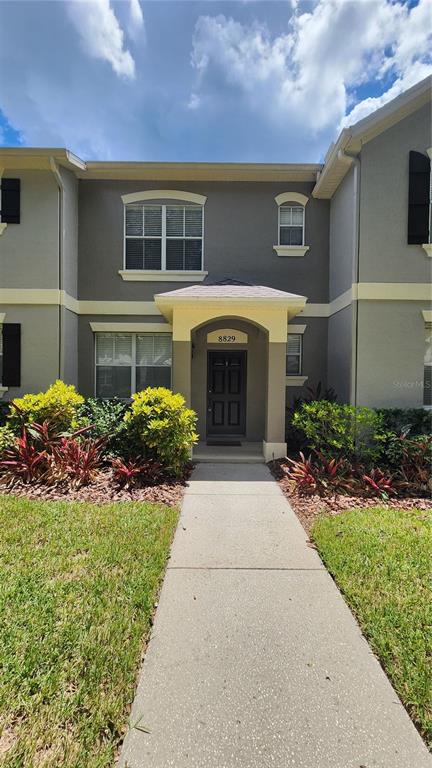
(296, 328)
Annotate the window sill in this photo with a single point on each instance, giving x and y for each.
(291, 250)
(427, 247)
(163, 276)
(2, 391)
(295, 381)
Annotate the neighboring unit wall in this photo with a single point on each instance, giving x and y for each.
(39, 346)
(29, 250)
(240, 230)
(385, 255)
(340, 350)
(342, 233)
(343, 255)
(69, 281)
(390, 354)
(69, 325)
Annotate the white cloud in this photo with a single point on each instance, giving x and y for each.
(307, 77)
(101, 34)
(136, 18)
(194, 101)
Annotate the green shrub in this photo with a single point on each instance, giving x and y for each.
(107, 419)
(59, 405)
(418, 421)
(161, 427)
(4, 412)
(341, 430)
(7, 438)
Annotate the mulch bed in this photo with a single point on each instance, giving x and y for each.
(104, 491)
(308, 508)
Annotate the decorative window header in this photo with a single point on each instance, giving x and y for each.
(291, 197)
(164, 194)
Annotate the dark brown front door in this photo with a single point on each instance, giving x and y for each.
(226, 392)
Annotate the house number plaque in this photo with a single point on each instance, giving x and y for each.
(227, 336)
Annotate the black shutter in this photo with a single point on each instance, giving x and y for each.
(418, 198)
(10, 200)
(11, 355)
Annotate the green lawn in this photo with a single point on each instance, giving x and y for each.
(381, 559)
(77, 589)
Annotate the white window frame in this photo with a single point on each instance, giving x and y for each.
(295, 380)
(291, 204)
(163, 237)
(133, 365)
(300, 355)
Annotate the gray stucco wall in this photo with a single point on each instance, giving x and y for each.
(340, 349)
(69, 330)
(385, 255)
(240, 230)
(390, 353)
(39, 346)
(342, 226)
(70, 226)
(314, 355)
(29, 250)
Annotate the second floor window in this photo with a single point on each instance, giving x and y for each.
(165, 237)
(291, 224)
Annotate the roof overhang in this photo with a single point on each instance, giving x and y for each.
(351, 139)
(261, 310)
(27, 158)
(144, 171)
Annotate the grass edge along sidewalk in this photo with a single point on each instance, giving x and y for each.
(78, 583)
(380, 559)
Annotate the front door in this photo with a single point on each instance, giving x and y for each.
(226, 392)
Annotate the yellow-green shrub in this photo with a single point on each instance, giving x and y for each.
(59, 405)
(161, 426)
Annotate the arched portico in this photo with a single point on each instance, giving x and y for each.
(261, 314)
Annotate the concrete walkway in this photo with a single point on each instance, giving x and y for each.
(255, 659)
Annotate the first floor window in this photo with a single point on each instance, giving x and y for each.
(427, 375)
(294, 354)
(291, 225)
(129, 362)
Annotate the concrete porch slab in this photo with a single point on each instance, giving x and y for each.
(224, 478)
(246, 453)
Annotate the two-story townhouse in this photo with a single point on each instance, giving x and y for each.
(235, 284)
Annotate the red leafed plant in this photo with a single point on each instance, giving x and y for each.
(334, 475)
(73, 461)
(129, 473)
(302, 473)
(24, 461)
(379, 483)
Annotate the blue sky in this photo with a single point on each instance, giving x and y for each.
(203, 81)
